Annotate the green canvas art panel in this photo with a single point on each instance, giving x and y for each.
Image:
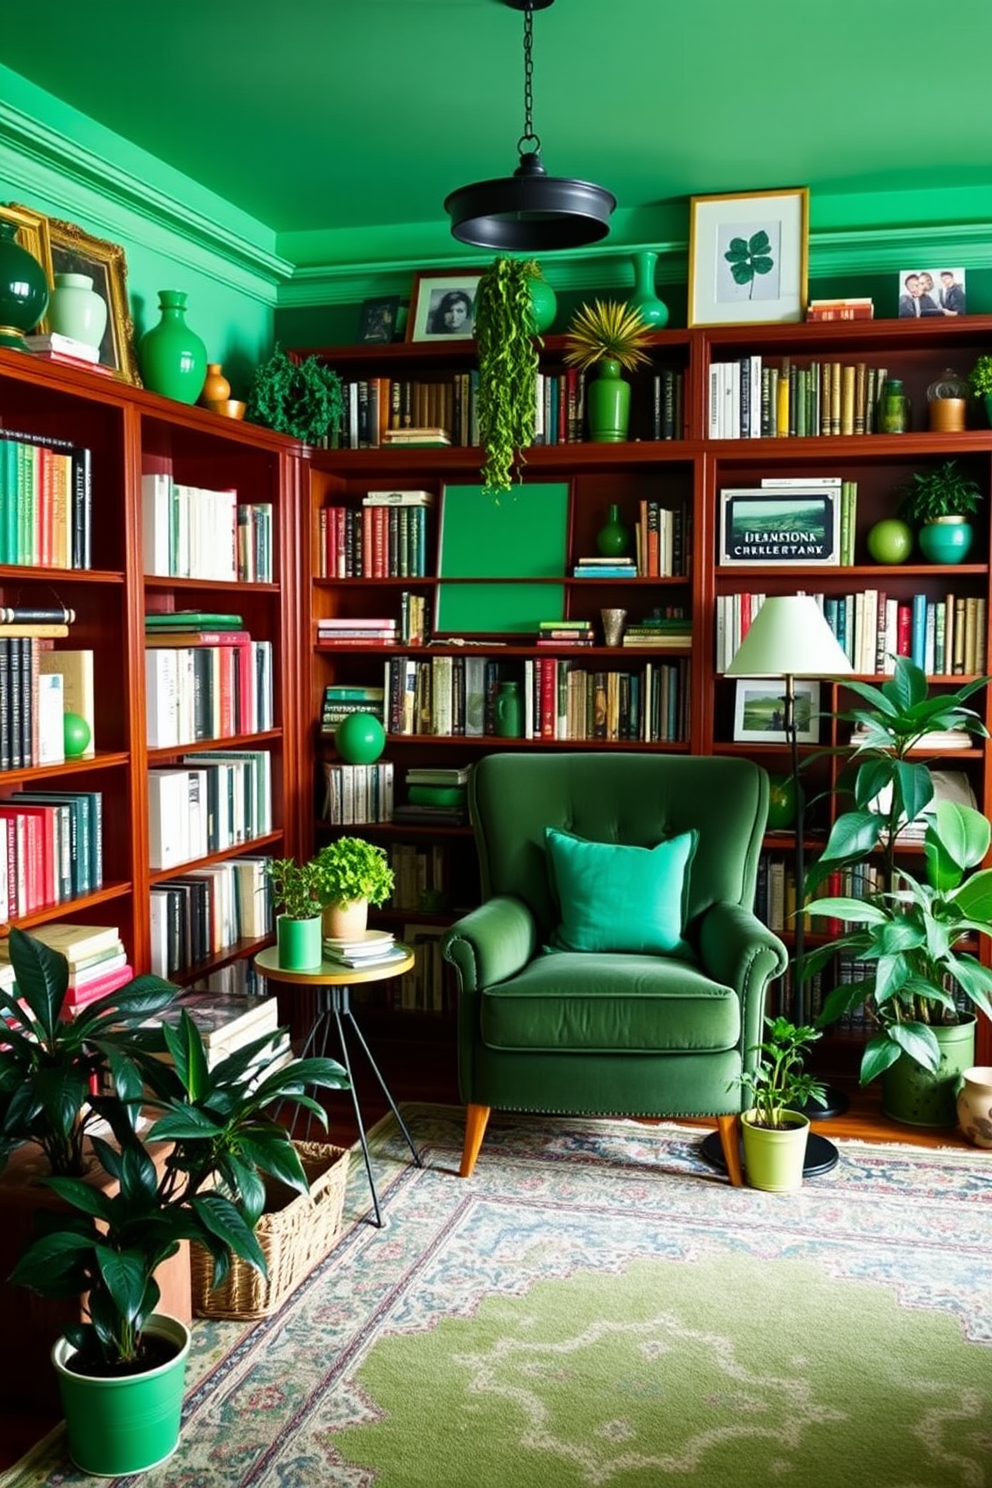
(521, 536)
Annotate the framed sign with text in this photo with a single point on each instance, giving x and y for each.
(760, 528)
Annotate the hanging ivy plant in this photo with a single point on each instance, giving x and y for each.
(508, 365)
(303, 399)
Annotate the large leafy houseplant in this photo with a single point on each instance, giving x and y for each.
(508, 363)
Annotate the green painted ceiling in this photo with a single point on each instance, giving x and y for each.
(318, 115)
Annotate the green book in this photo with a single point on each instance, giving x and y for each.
(191, 620)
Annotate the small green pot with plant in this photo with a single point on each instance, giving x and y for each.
(304, 399)
(607, 335)
(297, 902)
(506, 325)
(775, 1128)
(980, 378)
(940, 500)
(351, 874)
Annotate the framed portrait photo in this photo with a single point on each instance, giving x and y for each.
(762, 527)
(759, 711)
(442, 306)
(931, 292)
(748, 257)
(76, 252)
(377, 321)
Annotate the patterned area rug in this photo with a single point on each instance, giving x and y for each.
(595, 1306)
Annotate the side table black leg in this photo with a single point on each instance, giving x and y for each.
(346, 1061)
(378, 1074)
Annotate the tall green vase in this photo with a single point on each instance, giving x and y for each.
(653, 312)
(173, 358)
(23, 290)
(608, 404)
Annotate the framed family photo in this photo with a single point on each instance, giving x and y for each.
(790, 528)
(931, 292)
(442, 306)
(76, 252)
(759, 711)
(748, 257)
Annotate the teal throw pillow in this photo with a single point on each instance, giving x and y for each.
(617, 898)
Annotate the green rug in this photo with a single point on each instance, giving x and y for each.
(597, 1307)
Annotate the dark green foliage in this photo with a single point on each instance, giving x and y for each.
(302, 399)
(508, 364)
(941, 492)
(749, 257)
(778, 1083)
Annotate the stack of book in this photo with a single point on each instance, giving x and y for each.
(435, 795)
(424, 435)
(340, 701)
(54, 347)
(850, 309)
(565, 633)
(659, 632)
(96, 957)
(206, 678)
(362, 952)
(359, 630)
(228, 1022)
(605, 568)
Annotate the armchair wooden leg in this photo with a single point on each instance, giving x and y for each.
(476, 1121)
(730, 1136)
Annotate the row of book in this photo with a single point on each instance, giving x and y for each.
(944, 637)
(751, 399)
(662, 535)
(420, 877)
(358, 793)
(375, 542)
(341, 700)
(427, 988)
(564, 700)
(95, 955)
(51, 849)
(192, 532)
(204, 913)
(46, 501)
(38, 684)
(215, 685)
(214, 800)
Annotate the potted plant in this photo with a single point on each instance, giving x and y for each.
(980, 378)
(350, 874)
(194, 1173)
(610, 335)
(302, 398)
(775, 1128)
(941, 500)
(297, 901)
(511, 305)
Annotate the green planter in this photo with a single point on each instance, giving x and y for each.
(947, 540)
(299, 943)
(917, 1097)
(608, 404)
(773, 1159)
(128, 1424)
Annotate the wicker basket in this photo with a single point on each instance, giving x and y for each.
(295, 1232)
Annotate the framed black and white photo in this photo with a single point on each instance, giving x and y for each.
(748, 257)
(442, 306)
(763, 528)
(377, 321)
(759, 711)
(77, 252)
(931, 293)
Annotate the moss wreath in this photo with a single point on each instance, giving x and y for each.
(304, 399)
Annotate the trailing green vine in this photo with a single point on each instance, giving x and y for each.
(303, 399)
(508, 365)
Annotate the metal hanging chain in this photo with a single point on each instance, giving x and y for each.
(529, 137)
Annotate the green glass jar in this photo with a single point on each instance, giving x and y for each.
(895, 414)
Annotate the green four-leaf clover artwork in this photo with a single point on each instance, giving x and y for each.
(749, 257)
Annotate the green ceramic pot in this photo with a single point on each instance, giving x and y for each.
(947, 540)
(299, 943)
(173, 358)
(613, 538)
(773, 1159)
(130, 1423)
(919, 1097)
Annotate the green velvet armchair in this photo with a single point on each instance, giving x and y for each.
(619, 1029)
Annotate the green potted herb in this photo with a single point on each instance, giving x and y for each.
(302, 398)
(505, 338)
(941, 500)
(980, 378)
(609, 335)
(296, 899)
(775, 1128)
(350, 874)
(195, 1173)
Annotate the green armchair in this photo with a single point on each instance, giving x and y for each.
(620, 1032)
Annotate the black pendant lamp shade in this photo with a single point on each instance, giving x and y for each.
(530, 211)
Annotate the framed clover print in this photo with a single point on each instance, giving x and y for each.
(748, 257)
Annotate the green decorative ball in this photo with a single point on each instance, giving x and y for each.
(360, 739)
(76, 735)
(781, 802)
(891, 541)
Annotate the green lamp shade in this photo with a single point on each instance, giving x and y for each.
(76, 734)
(360, 738)
(23, 290)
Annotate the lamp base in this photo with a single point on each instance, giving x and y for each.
(821, 1156)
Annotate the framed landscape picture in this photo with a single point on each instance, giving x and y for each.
(748, 257)
(759, 711)
(799, 527)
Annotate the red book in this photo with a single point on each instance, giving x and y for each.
(548, 668)
(904, 633)
(35, 856)
(240, 640)
(78, 997)
(227, 669)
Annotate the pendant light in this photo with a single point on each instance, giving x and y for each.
(530, 211)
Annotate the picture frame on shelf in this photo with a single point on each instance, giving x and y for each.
(377, 319)
(748, 257)
(762, 528)
(442, 306)
(75, 251)
(32, 234)
(931, 292)
(759, 711)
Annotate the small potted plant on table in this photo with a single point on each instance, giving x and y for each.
(775, 1129)
(297, 901)
(941, 500)
(350, 874)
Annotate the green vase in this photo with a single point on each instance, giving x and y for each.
(128, 1423)
(173, 358)
(947, 540)
(653, 312)
(613, 538)
(76, 310)
(608, 404)
(920, 1097)
(543, 305)
(299, 943)
(23, 290)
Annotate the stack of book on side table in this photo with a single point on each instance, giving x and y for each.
(362, 952)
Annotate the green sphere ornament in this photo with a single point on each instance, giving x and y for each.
(891, 541)
(781, 802)
(76, 735)
(360, 738)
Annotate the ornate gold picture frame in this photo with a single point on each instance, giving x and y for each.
(74, 251)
